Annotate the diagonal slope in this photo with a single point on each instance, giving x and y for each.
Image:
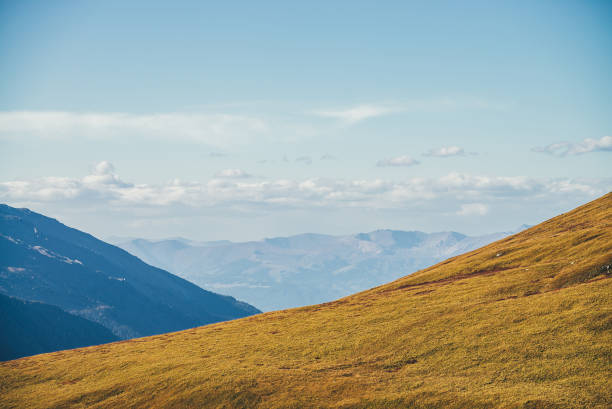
(525, 322)
(565, 250)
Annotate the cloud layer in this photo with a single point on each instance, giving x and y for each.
(236, 208)
(231, 187)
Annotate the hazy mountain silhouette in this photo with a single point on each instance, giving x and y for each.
(306, 269)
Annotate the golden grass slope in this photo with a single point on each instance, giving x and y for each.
(525, 322)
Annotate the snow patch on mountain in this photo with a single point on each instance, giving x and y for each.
(51, 254)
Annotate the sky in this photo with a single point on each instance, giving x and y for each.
(243, 120)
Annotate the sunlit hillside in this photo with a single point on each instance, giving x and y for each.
(525, 322)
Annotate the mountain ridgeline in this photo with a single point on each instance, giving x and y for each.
(45, 261)
(523, 323)
(287, 272)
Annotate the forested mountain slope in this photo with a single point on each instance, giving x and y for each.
(46, 261)
(29, 328)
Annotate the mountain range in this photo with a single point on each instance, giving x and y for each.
(522, 323)
(45, 261)
(306, 269)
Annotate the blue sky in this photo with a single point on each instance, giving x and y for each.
(240, 120)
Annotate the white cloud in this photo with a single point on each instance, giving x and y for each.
(445, 151)
(104, 168)
(358, 113)
(214, 129)
(328, 156)
(397, 161)
(233, 174)
(469, 209)
(591, 145)
(102, 186)
(578, 148)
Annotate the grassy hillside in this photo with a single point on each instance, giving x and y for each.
(525, 322)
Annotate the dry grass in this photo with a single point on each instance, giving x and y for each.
(525, 322)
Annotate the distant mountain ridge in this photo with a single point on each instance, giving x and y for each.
(285, 272)
(46, 261)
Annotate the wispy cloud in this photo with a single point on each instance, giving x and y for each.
(357, 113)
(469, 209)
(577, 148)
(397, 161)
(445, 151)
(214, 129)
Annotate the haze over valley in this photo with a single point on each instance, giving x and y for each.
(287, 272)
